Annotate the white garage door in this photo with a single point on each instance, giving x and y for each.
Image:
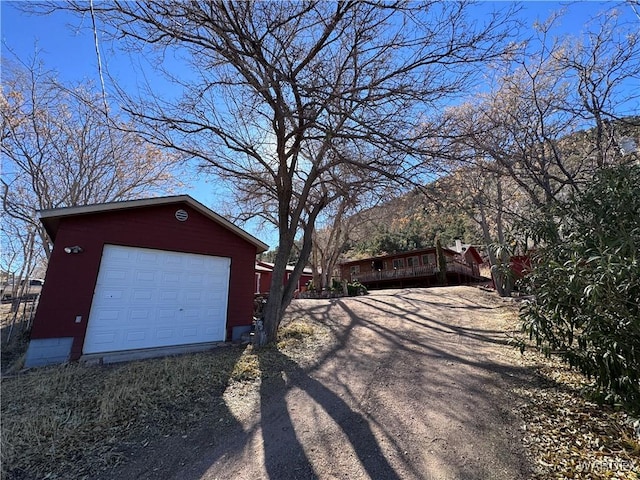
(148, 298)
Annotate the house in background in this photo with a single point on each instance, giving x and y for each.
(143, 275)
(414, 268)
(468, 251)
(264, 273)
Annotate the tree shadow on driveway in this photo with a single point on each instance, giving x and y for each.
(431, 390)
(285, 453)
(417, 316)
(394, 394)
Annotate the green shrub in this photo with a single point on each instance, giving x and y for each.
(356, 288)
(586, 283)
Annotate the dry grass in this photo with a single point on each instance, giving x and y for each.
(72, 421)
(14, 347)
(63, 415)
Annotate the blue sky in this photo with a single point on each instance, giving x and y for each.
(65, 44)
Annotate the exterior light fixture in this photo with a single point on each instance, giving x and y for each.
(74, 249)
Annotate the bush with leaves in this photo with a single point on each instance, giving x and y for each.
(356, 288)
(586, 283)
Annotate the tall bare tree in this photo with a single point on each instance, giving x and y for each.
(292, 101)
(556, 113)
(605, 64)
(60, 149)
(342, 224)
(19, 258)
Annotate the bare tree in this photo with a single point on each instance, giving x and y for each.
(18, 258)
(555, 114)
(476, 192)
(292, 101)
(604, 63)
(60, 149)
(635, 6)
(333, 233)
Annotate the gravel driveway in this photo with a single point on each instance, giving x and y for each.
(414, 385)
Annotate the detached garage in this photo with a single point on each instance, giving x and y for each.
(143, 275)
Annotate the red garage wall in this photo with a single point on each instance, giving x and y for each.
(71, 278)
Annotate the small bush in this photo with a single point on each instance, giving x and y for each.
(586, 282)
(356, 288)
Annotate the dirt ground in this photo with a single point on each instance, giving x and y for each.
(411, 384)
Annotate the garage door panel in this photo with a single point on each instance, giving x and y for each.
(118, 256)
(197, 262)
(147, 276)
(111, 295)
(117, 274)
(148, 256)
(198, 297)
(167, 295)
(217, 296)
(213, 331)
(191, 313)
(171, 278)
(140, 305)
(109, 316)
(190, 332)
(174, 261)
(136, 335)
(163, 333)
(105, 338)
(194, 279)
(147, 294)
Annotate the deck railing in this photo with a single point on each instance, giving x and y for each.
(410, 272)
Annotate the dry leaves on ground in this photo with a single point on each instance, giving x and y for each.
(566, 434)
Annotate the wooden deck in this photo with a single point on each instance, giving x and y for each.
(457, 273)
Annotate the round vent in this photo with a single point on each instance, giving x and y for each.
(182, 215)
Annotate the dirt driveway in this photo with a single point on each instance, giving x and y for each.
(413, 385)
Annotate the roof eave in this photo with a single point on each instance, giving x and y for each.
(50, 218)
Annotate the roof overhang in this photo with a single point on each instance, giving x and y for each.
(419, 251)
(51, 218)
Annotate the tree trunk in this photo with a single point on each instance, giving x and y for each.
(275, 306)
(486, 235)
(317, 280)
(282, 292)
(441, 261)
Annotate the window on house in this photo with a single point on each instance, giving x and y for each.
(412, 262)
(377, 265)
(429, 259)
(355, 269)
(398, 263)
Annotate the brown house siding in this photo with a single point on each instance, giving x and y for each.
(391, 270)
